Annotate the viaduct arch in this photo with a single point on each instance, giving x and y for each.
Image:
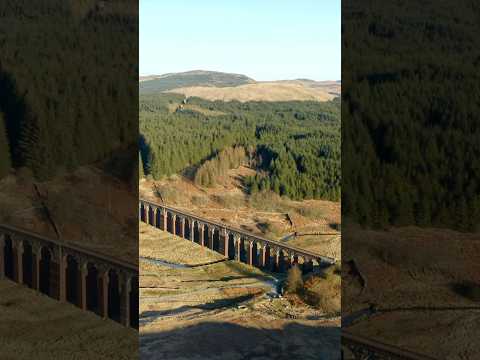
(69, 273)
(231, 242)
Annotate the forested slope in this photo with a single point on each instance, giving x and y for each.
(153, 84)
(294, 145)
(411, 143)
(68, 74)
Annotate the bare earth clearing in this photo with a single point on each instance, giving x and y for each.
(265, 215)
(410, 275)
(266, 91)
(220, 310)
(33, 326)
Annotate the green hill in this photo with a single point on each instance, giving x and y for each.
(151, 84)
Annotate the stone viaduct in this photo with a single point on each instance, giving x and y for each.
(69, 273)
(231, 242)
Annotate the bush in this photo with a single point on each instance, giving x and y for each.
(268, 201)
(468, 289)
(311, 212)
(199, 201)
(229, 201)
(294, 284)
(324, 292)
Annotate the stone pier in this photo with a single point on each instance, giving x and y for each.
(69, 273)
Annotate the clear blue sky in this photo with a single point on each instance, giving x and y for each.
(264, 39)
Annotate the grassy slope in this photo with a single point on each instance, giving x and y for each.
(191, 78)
(25, 316)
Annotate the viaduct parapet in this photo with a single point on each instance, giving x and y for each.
(69, 273)
(229, 241)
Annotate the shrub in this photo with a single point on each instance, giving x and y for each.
(323, 292)
(294, 284)
(468, 289)
(311, 212)
(229, 201)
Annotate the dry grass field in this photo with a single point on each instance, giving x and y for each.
(220, 310)
(423, 282)
(265, 91)
(34, 326)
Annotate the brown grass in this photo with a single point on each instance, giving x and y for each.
(263, 91)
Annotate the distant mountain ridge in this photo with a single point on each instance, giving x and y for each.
(212, 85)
(160, 83)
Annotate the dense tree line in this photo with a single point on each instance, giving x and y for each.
(296, 145)
(411, 143)
(67, 79)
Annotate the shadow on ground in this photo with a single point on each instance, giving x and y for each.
(228, 341)
(148, 316)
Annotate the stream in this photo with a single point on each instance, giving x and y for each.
(274, 284)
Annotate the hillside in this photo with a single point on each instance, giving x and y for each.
(261, 91)
(211, 85)
(294, 145)
(159, 83)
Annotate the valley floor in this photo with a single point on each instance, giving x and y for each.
(196, 305)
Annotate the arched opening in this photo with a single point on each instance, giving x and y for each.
(178, 225)
(254, 254)
(231, 247)
(142, 212)
(158, 219)
(8, 257)
(45, 270)
(243, 251)
(281, 266)
(307, 266)
(27, 261)
(206, 238)
(72, 277)
(266, 264)
(216, 240)
(273, 261)
(92, 289)
(170, 223)
(134, 303)
(150, 215)
(187, 229)
(113, 296)
(196, 232)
